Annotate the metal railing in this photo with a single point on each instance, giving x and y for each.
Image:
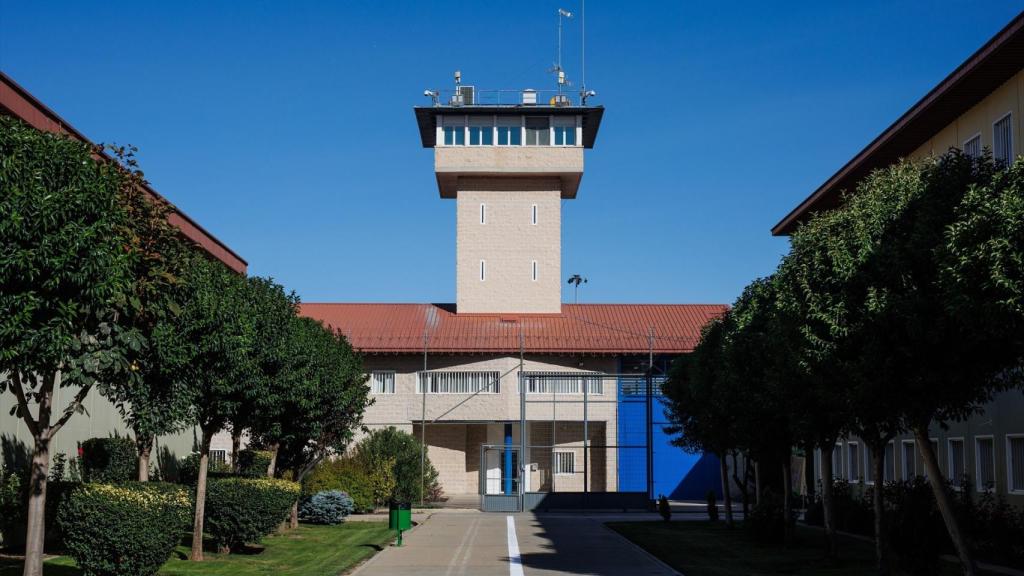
(470, 98)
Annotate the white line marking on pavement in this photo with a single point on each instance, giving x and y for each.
(515, 561)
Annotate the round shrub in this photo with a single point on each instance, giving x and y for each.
(242, 511)
(328, 507)
(253, 463)
(343, 474)
(123, 530)
(109, 460)
(404, 448)
(188, 469)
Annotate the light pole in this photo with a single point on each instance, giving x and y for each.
(577, 280)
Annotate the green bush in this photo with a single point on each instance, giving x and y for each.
(188, 470)
(346, 475)
(327, 507)
(10, 504)
(243, 510)
(123, 530)
(109, 460)
(253, 463)
(13, 512)
(405, 449)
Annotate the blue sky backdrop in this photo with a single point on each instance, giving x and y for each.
(286, 128)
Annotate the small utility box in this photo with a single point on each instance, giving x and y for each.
(400, 518)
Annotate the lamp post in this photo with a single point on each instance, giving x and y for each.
(576, 279)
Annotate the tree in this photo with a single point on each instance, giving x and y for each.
(64, 278)
(701, 404)
(216, 361)
(152, 403)
(328, 397)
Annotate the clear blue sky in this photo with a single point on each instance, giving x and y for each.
(287, 130)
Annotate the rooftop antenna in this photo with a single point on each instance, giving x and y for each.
(584, 93)
(562, 13)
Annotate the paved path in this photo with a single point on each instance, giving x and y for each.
(491, 544)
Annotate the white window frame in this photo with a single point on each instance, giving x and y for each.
(949, 459)
(562, 383)
(483, 213)
(456, 122)
(1009, 158)
(977, 463)
(551, 131)
(517, 122)
(903, 459)
(981, 148)
(483, 270)
(556, 462)
(218, 456)
(533, 215)
(1010, 464)
(490, 381)
(565, 122)
(478, 121)
(856, 459)
(384, 384)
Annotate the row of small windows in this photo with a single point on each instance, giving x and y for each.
(483, 270)
(1002, 141)
(488, 382)
(483, 214)
(509, 131)
(849, 457)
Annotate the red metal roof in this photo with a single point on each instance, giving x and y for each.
(578, 329)
(18, 102)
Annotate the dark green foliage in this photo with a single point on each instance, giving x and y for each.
(852, 513)
(914, 526)
(404, 448)
(13, 520)
(343, 474)
(188, 470)
(123, 530)
(243, 510)
(327, 507)
(712, 506)
(11, 507)
(253, 463)
(108, 460)
(766, 522)
(664, 509)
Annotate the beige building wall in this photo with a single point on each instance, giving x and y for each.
(979, 120)
(507, 242)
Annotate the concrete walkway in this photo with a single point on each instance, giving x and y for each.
(526, 544)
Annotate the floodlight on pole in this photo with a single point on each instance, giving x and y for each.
(576, 280)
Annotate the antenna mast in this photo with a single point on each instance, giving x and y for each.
(559, 71)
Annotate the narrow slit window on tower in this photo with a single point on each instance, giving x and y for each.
(534, 270)
(538, 131)
(483, 270)
(533, 215)
(483, 213)
(510, 131)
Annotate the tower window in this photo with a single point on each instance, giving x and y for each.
(1002, 139)
(481, 131)
(483, 213)
(533, 215)
(534, 270)
(483, 270)
(538, 131)
(565, 131)
(510, 131)
(454, 130)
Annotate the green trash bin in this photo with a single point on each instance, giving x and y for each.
(400, 518)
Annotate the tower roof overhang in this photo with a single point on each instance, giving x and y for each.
(426, 117)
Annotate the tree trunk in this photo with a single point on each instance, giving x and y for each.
(828, 501)
(197, 526)
(236, 445)
(274, 447)
(787, 500)
(743, 486)
(35, 535)
(726, 495)
(144, 443)
(878, 505)
(809, 472)
(935, 478)
(293, 520)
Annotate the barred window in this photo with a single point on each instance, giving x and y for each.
(469, 382)
(889, 468)
(382, 382)
(1002, 139)
(837, 461)
(909, 460)
(562, 382)
(1015, 462)
(972, 147)
(956, 461)
(218, 456)
(853, 462)
(565, 462)
(985, 457)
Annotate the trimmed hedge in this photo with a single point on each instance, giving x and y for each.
(328, 507)
(343, 474)
(253, 463)
(242, 511)
(129, 529)
(188, 470)
(109, 460)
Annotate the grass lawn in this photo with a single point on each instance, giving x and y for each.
(697, 548)
(308, 550)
